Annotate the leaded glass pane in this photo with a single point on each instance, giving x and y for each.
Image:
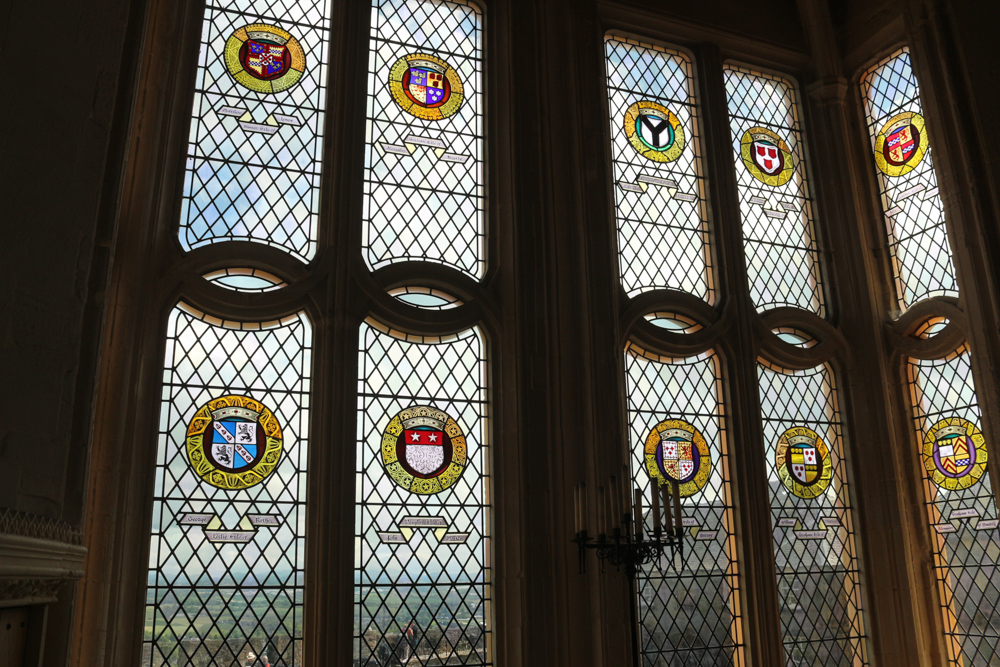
(960, 506)
(904, 167)
(659, 181)
(424, 188)
(688, 612)
(422, 574)
(253, 160)
(775, 205)
(227, 547)
(819, 586)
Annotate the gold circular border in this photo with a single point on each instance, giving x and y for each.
(449, 108)
(917, 121)
(233, 480)
(807, 491)
(697, 439)
(247, 80)
(975, 473)
(781, 177)
(395, 470)
(669, 155)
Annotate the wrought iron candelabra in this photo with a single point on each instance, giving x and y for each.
(622, 542)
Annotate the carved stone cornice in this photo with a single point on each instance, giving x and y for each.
(37, 556)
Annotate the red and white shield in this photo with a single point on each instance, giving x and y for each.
(424, 450)
(766, 156)
(799, 471)
(686, 468)
(809, 455)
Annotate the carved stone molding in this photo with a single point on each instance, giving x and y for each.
(37, 556)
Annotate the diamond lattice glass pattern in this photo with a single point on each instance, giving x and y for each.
(914, 214)
(819, 586)
(778, 226)
(210, 604)
(966, 545)
(659, 206)
(253, 165)
(688, 615)
(422, 600)
(424, 191)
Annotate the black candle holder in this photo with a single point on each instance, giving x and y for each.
(623, 551)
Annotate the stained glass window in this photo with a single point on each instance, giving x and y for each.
(819, 587)
(227, 547)
(911, 203)
(960, 505)
(424, 188)
(245, 280)
(688, 614)
(253, 165)
(775, 205)
(422, 571)
(659, 191)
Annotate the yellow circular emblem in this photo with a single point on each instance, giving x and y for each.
(676, 450)
(900, 144)
(654, 131)
(233, 442)
(803, 462)
(766, 156)
(424, 450)
(954, 453)
(264, 58)
(426, 86)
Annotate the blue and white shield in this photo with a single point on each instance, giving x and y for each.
(234, 444)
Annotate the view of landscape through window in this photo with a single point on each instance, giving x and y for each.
(819, 585)
(689, 611)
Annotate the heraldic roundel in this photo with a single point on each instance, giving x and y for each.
(900, 144)
(654, 131)
(424, 450)
(803, 462)
(766, 156)
(234, 442)
(264, 58)
(425, 86)
(955, 453)
(676, 450)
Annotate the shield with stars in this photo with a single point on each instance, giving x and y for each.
(423, 450)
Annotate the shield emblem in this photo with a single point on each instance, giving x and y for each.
(678, 459)
(655, 131)
(424, 450)
(767, 156)
(956, 454)
(804, 463)
(234, 443)
(266, 60)
(427, 86)
(901, 144)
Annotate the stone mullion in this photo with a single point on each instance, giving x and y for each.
(864, 377)
(898, 587)
(740, 348)
(556, 407)
(328, 623)
(971, 208)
